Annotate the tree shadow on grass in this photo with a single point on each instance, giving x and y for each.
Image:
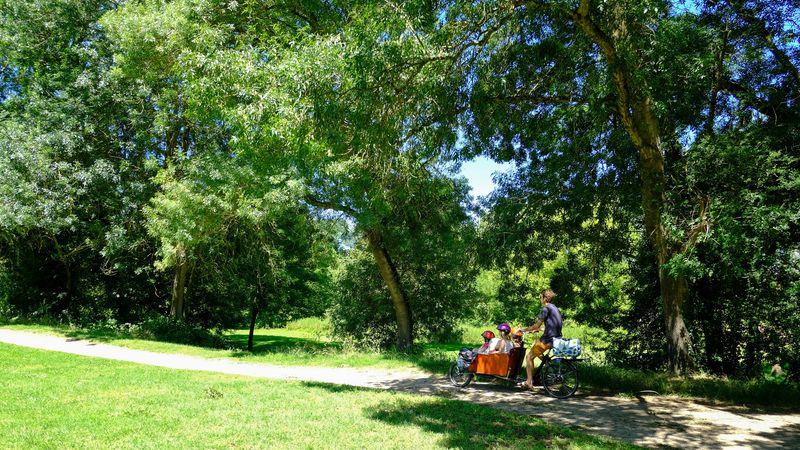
(97, 334)
(429, 357)
(266, 343)
(465, 425)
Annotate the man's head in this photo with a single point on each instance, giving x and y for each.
(546, 296)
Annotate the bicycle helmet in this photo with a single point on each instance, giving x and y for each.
(504, 327)
(488, 334)
(518, 334)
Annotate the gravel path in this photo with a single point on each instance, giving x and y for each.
(651, 421)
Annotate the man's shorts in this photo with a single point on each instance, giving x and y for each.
(539, 348)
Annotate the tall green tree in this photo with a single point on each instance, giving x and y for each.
(72, 164)
(596, 101)
(303, 89)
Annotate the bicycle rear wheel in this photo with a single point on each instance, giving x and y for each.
(458, 376)
(560, 378)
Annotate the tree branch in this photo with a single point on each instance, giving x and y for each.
(330, 205)
(541, 99)
(760, 27)
(718, 67)
(751, 100)
(618, 73)
(416, 129)
(702, 225)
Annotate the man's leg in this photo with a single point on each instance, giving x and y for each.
(536, 351)
(529, 368)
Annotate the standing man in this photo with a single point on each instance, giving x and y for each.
(551, 318)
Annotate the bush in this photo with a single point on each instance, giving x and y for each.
(170, 330)
(363, 312)
(746, 392)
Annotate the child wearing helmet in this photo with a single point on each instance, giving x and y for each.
(500, 344)
(517, 336)
(506, 343)
(467, 355)
(489, 343)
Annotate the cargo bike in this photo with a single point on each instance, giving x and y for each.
(557, 374)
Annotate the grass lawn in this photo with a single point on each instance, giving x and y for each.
(275, 346)
(299, 347)
(56, 400)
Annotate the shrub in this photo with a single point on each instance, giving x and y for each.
(170, 330)
(363, 312)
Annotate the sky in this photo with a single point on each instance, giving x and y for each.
(479, 172)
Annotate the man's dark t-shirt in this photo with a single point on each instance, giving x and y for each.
(552, 323)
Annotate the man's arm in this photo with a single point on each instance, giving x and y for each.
(536, 327)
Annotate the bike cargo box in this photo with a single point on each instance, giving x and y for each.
(494, 364)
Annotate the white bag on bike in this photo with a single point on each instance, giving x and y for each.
(570, 348)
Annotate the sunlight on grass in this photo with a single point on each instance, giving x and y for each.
(280, 347)
(298, 347)
(56, 400)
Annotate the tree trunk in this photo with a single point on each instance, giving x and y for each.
(637, 111)
(673, 293)
(402, 310)
(178, 307)
(674, 290)
(253, 316)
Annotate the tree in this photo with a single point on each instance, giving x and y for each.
(150, 42)
(72, 168)
(586, 98)
(354, 143)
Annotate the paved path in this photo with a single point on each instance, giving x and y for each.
(651, 421)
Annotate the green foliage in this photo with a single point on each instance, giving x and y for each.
(724, 94)
(487, 298)
(228, 138)
(271, 256)
(175, 331)
(437, 281)
(748, 284)
(162, 329)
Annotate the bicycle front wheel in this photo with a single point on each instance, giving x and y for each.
(560, 378)
(459, 377)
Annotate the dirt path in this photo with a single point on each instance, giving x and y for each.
(651, 421)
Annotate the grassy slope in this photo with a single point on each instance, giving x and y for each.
(55, 400)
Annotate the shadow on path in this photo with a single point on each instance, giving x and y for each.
(652, 421)
(470, 426)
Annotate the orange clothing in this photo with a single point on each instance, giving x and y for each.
(539, 348)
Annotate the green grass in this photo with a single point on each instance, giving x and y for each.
(294, 346)
(757, 392)
(56, 400)
(289, 347)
